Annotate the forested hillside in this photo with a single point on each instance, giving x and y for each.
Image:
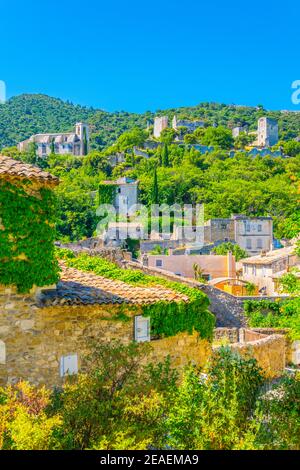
(174, 172)
(27, 114)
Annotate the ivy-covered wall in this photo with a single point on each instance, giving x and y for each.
(107, 193)
(27, 234)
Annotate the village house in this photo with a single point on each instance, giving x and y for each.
(63, 143)
(265, 270)
(210, 266)
(125, 194)
(117, 232)
(253, 234)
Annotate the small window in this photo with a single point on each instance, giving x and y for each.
(141, 328)
(68, 365)
(259, 228)
(158, 263)
(259, 243)
(248, 228)
(248, 244)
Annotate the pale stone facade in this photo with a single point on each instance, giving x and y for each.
(265, 270)
(212, 266)
(126, 195)
(267, 132)
(253, 234)
(62, 143)
(160, 123)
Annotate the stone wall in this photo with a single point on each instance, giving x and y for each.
(268, 351)
(183, 349)
(230, 334)
(33, 340)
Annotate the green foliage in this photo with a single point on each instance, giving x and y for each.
(280, 314)
(119, 403)
(290, 282)
(25, 115)
(167, 135)
(155, 193)
(225, 247)
(214, 412)
(171, 318)
(27, 235)
(167, 318)
(165, 156)
(280, 409)
(219, 137)
(107, 193)
(124, 402)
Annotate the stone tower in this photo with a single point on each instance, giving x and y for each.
(267, 132)
(82, 130)
(160, 123)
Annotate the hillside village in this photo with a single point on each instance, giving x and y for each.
(223, 286)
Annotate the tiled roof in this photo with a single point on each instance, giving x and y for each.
(79, 287)
(11, 168)
(270, 256)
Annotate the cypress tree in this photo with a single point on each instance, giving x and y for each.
(165, 156)
(85, 145)
(155, 188)
(52, 147)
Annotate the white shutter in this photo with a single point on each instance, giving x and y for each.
(141, 328)
(2, 352)
(68, 365)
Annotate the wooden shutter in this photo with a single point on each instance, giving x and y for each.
(141, 328)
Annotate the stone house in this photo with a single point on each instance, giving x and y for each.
(265, 270)
(125, 195)
(252, 234)
(117, 232)
(46, 335)
(63, 143)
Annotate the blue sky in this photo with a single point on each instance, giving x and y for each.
(137, 56)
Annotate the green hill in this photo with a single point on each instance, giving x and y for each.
(24, 115)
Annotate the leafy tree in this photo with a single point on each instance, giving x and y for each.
(190, 139)
(167, 135)
(236, 250)
(219, 137)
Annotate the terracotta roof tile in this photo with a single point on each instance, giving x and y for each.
(11, 168)
(79, 287)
